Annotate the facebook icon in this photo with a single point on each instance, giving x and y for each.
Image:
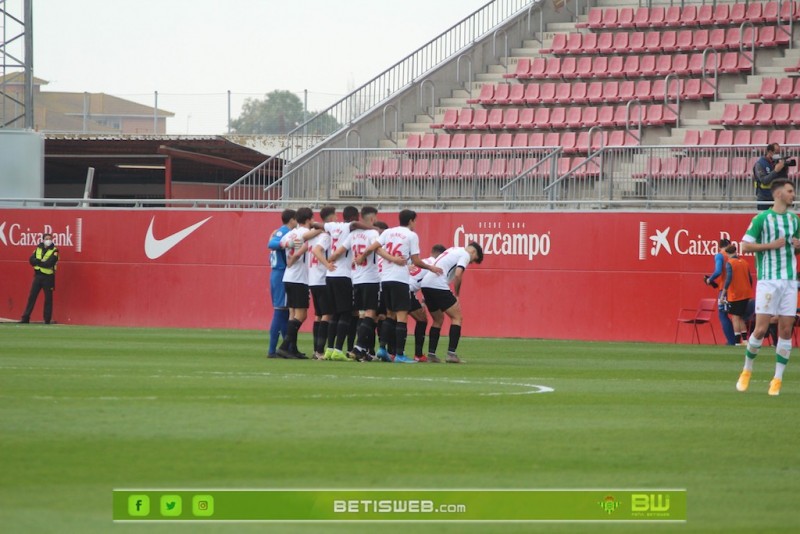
(138, 505)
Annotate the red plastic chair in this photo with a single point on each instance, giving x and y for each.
(656, 18)
(522, 70)
(578, 95)
(428, 141)
(722, 14)
(558, 45)
(636, 43)
(486, 95)
(631, 67)
(480, 119)
(705, 15)
(547, 93)
(784, 89)
(526, 118)
(413, 140)
(652, 41)
(605, 43)
(563, 93)
(625, 18)
(729, 117)
(593, 20)
(538, 65)
(689, 16)
(501, 94)
(594, 92)
(769, 87)
(763, 116)
(741, 137)
(747, 115)
(672, 18)
(600, 67)
(516, 95)
(620, 45)
(568, 66)
(780, 115)
(610, 16)
(494, 120)
(574, 44)
(542, 118)
(583, 68)
(588, 44)
(558, 117)
(511, 119)
(532, 93)
(611, 91)
(641, 19)
(647, 66)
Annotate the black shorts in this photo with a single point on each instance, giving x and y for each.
(415, 305)
(296, 295)
(396, 295)
(438, 299)
(381, 302)
(739, 308)
(340, 292)
(366, 296)
(322, 300)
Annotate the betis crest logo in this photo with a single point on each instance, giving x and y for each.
(609, 504)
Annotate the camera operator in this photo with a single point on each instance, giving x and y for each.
(769, 167)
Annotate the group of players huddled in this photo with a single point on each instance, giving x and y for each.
(363, 278)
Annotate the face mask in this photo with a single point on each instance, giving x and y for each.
(776, 157)
(48, 242)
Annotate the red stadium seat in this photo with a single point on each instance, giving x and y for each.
(413, 140)
(729, 116)
(768, 89)
(494, 121)
(755, 12)
(482, 168)
(700, 39)
(656, 18)
(574, 44)
(631, 66)
(450, 169)
(532, 93)
(740, 137)
(672, 18)
(537, 69)
(655, 115)
(594, 19)
(722, 14)
(763, 116)
(767, 37)
(558, 45)
(605, 116)
(796, 90)
(643, 90)
(450, 120)
(641, 19)
(605, 43)
(795, 114)
(552, 69)
(516, 95)
(600, 67)
(511, 119)
(485, 96)
(738, 168)
(489, 140)
(459, 140)
(703, 167)
(659, 90)
(627, 90)
(664, 65)
(563, 92)
(726, 137)
(793, 137)
(589, 117)
(552, 139)
(759, 137)
(782, 37)
(574, 118)
(536, 139)
(558, 117)
(625, 19)
(588, 44)
(501, 93)
(443, 141)
(465, 119)
(680, 64)
(669, 42)
(770, 12)
(737, 14)
(375, 169)
(716, 39)
(651, 169)
(584, 67)
(647, 66)
(620, 45)
(498, 168)
(616, 66)
(473, 141)
(685, 41)
(526, 117)
(720, 169)
(692, 89)
(594, 92)
(688, 16)
(780, 115)
(705, 15)
(610, 16)
(522, 69)
(598, 139)
(568, 142)
(611, 91)
(747, 115)
(568, 66)
(520, 140)
(709, 138)
(652, 41)
(480, 119)
(578, 95)
(547, 93)
(692, 137)
(428, 141)
(636, 44)
(542, 118)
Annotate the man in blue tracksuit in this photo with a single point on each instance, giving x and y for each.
(277, 260)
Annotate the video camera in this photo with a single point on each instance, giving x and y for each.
(787, 162)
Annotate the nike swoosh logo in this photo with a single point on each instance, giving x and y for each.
(155, 248)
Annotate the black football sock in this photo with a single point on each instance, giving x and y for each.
(455, 336)
(401, 332)
(433, 340)
(419, 337)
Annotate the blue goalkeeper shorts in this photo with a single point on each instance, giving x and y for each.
(276, 289)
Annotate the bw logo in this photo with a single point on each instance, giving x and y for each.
(649, 502)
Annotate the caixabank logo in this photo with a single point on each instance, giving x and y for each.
(14, 234)
(668, 240)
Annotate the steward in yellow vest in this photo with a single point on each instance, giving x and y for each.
(43, 260)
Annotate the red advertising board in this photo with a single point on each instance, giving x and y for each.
(563, 275)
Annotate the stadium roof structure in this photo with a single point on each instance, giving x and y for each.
(148, 159)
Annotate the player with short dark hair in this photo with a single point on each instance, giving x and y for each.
(440, 300)
(398, 246)
(277, 261)
(295, 280)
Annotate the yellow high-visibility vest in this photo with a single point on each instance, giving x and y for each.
(44, 257)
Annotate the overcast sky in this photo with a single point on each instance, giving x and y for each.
(193, 51)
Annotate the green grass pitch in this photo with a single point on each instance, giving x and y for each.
(84, 410)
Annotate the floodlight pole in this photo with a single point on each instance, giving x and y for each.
(28, 19)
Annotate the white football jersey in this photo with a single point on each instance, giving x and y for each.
(448, 261)
(316, 269)
(339, 232)
(403, 243)
(357, 242)
(298, 272)
(417, 274)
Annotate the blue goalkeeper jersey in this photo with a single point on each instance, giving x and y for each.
(277, 256)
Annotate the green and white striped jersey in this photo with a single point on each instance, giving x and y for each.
(767, 226)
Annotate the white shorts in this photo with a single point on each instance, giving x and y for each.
(776, 297)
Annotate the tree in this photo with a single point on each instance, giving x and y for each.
(278, 113)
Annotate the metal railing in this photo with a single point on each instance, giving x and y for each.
(531, 177)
